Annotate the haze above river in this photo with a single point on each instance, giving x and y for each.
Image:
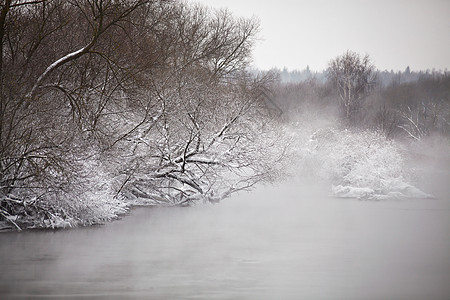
(289, 241)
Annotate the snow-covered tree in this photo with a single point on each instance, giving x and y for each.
(101, 98)
(353, 76)
(208, 116)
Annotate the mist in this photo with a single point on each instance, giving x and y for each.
(288, 240)
(293, 238)
(142, 157)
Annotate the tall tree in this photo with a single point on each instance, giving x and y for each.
(354, 77)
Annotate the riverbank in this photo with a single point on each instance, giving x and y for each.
(358, 164)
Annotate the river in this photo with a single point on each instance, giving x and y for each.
(289, 241)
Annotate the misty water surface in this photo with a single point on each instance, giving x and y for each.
(290, 241)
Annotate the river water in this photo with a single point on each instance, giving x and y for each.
(290, 241)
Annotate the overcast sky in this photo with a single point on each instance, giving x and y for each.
(395, 33)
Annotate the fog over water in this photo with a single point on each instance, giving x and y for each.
(296, 239)
(150, 118)
(288, 241)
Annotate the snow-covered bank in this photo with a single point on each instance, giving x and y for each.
(357, 164)
(90, 200)
(90, 208)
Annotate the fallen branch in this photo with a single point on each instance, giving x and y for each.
(9, 219)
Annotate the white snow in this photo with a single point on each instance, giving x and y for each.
(359, 164)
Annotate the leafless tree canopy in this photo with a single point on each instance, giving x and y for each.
(353, 76)
(141, 99)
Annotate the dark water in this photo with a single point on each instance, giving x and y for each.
(292, 241)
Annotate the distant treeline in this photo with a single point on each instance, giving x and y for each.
(384, 78)
(409, 104)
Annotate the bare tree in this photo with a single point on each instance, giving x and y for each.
(62, 72)
(150, 96)
(387, 121)
(427, 117)
(208, 117)
(354, 76)
(199, 148)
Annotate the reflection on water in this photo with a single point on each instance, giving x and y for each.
(285, 242)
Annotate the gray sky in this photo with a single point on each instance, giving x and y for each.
(395, 33)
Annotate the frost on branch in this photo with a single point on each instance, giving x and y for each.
(203, 150)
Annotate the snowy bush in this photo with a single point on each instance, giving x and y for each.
(360, 164)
